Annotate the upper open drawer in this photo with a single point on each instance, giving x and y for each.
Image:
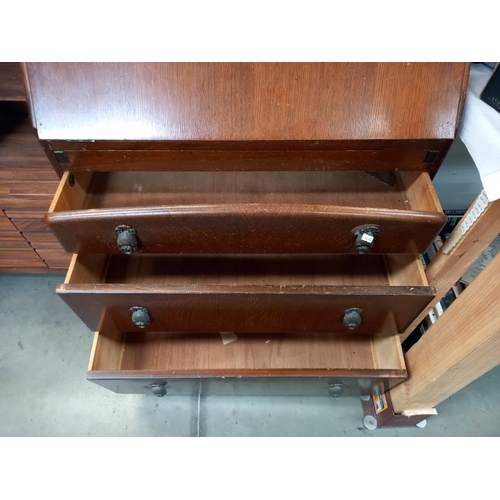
(245, 212)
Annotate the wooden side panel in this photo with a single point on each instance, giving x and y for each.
(460, 347)
(446, 269)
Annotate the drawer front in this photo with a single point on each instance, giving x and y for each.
(276, 309)
(242, 212)
(298, 365)
(248, 229)
(131, 383)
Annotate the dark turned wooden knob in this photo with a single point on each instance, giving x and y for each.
(126, 239)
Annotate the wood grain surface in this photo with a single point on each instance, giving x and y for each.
(11, 84)
(245, 101)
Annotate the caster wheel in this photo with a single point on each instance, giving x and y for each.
(365, 397)
(370, 422)
(422, 425)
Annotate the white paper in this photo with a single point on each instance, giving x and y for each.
(480, 132)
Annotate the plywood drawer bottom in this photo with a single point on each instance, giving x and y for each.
(252, 365)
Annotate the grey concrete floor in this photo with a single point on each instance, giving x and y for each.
(44, 352)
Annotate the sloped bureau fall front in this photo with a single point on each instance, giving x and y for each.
(285, 203)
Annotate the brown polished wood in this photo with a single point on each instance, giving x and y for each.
(245, 101)
(27, 183)
(11, 84)
(246, 294)
(244, 212)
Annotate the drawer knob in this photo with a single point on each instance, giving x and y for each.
(336, 390)
(365, 237)
(140, 316)
(352, 317)
(158, 389)
(126, 239)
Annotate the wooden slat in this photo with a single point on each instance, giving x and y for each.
(22, 263)
(39, 237)
(5, 223)
(445, 269)
(54, 255)
(30, 225)
(46, 245)
(23, 254)
(460, 347)
(25, 214)
(11, 236)
(13, 245)
(29, 203)
(8, 174)
(60, 265)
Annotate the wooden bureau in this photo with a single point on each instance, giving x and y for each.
(284, 203)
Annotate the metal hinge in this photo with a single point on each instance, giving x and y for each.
(61, 156)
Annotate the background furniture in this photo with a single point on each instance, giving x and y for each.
(27, 184)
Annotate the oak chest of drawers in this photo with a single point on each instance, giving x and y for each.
(285, 204)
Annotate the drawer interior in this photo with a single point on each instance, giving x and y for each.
(402, 270)
(111, 190)
(201, 355)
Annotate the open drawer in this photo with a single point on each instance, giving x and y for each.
(245, 212)
(365, 294)
(318, 364)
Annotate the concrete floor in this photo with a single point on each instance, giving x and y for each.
(44, 351)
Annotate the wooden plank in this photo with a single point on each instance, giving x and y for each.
(5, 224)
(29, 203)
(36, 188)
(24, 254)
(445, 269)
(33, 225)
(54, 255)
(39, 237)
(11, 236)
(8, 174)
(460, 347)
(47, 245)
(14, 245)
(25, 214)
(22, 263)
(60, 265)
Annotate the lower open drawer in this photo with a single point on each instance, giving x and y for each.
(254, 364)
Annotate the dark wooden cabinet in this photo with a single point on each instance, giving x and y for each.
(28, 183)
(284, 203)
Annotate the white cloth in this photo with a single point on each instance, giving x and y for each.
(480, 132)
